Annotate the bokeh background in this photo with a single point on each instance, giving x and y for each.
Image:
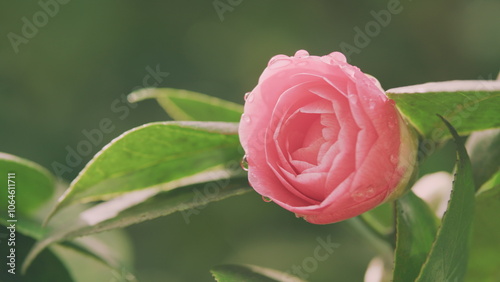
(72, 70)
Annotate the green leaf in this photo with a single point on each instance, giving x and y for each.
(84, 268)
(33, 184)
(48, 268)
(32, 231)
(484, 151)
(121, 212)
(416, 228)
(27, 227)
(187, 105)
(249, 273)
(493, 183)
(447, 260)
(467, 105)
(125, 210)
(165, 155)
(99, 257)
(484, 263)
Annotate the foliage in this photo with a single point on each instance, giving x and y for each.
(164, 167)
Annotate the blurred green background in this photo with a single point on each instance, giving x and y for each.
(70, 70)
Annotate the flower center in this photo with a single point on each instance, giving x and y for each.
(309, 136)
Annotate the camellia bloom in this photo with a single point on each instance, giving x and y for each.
(323, 140)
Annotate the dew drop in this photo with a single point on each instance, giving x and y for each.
(244, 163)
(248, 97)
(358, 196)
(353, 98)
(277, 58)
(391, 124)
(266, 199)
(328, 60)
(349, 70)
(245, 118)
(301, 54)
(394, 159)
(280, 63)
(337, 56)
(372, 104)
(302, 63)
(363, 194)
(370, 192)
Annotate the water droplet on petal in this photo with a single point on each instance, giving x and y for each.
(280, 63)
(328, 60)
(301, 54)
(353, 98)
(372, 104)
(266, 199)
(349, 70)
(302, 63)
(391, 124)
(370, 192)
(337, 56)
(248, 97)
(394, 159)
(245, 118)
(277, 58)
(244, 163)
(358, 196)
(363, 194)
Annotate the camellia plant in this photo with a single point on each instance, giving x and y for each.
(317, 137)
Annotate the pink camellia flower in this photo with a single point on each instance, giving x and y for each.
(323, 140)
